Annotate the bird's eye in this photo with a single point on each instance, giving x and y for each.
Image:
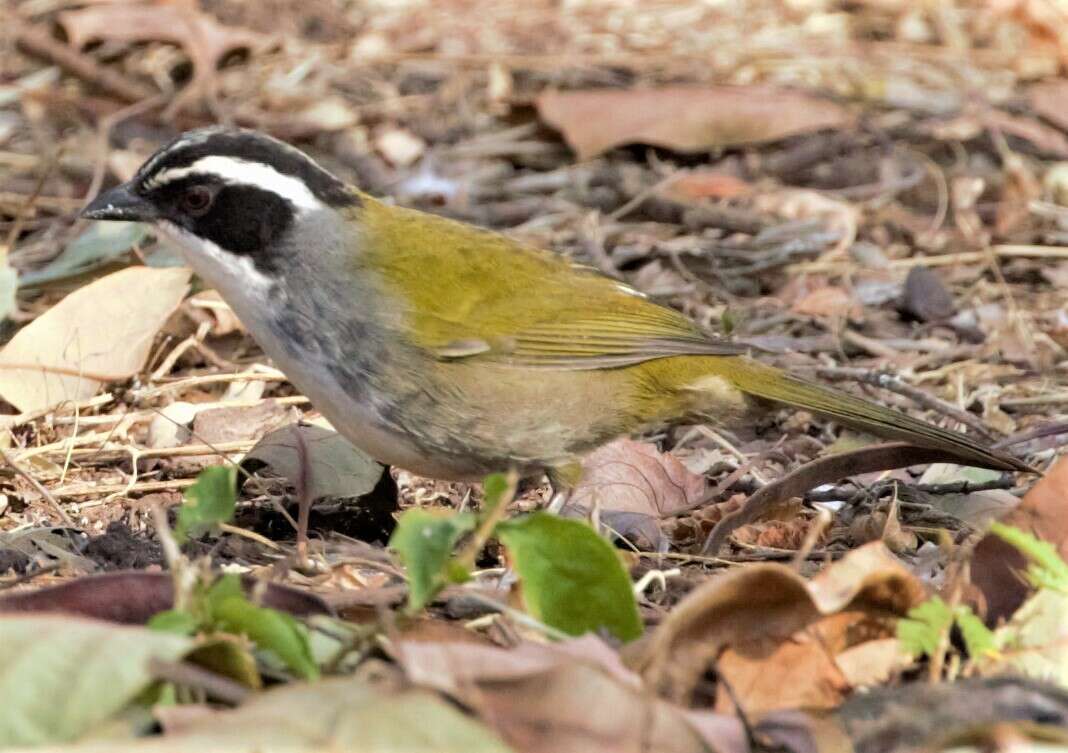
(197, 200)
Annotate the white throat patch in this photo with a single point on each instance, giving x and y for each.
(230, 274)
(233, 170)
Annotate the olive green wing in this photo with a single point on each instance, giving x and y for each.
(471, 293)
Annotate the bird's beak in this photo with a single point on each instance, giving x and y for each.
(120, 203)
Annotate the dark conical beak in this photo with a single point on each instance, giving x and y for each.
(120, 203)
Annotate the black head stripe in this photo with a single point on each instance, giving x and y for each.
(249, 146)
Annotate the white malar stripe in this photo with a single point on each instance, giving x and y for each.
(242, 172)
(234, 276)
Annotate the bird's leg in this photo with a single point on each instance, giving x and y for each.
(558, 499)
(562, 481)
(304, 498)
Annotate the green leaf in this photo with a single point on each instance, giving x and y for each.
(425, 540)
(208, 502)
(177, 621)
(494, 487)
(270, 630)
(978, 638)
(61, 676)
(922, 630)
(572, 578)
(101, 243)
(1047, 569)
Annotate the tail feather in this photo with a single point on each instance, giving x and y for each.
(769, 383)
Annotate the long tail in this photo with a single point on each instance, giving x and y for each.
(766, 382)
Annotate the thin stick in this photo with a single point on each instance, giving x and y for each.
(47, 495)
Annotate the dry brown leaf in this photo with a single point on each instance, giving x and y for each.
(707, 184)
(180, 22)
(1048, 98)
(1040, 135)
(231, 423)
(208, 305)
(829, 302)
(684, 118)
(771, 604)
(765, 675)
(575, 695)
(996, 565)
(634, 485)
(102, 331)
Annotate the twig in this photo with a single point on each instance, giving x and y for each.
(216, 686)
(47, 495)
(489, 522)
(942, 260)
(41, 44)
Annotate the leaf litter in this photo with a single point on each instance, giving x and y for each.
(825, 187)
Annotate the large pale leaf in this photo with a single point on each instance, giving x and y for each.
(331, 715)
(329, 464)
(61, 676)
(101, 331)
(684, 118)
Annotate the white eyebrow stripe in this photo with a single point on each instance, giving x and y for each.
(233, 170)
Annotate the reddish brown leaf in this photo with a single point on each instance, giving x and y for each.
(995, 566)
(757, 622)
(684, 118)
(634, 485)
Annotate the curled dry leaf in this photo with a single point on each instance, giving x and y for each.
(684, 118)
(575, 695)
(996, 564)
(633, 485)
(101, 332)
(756, 622)
(181, 22)
(133, 597)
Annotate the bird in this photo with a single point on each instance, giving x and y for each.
(450, 350)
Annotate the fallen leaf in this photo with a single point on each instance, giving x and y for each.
(103, 330)
(829, 302)
(754, 611)
(1047, 98)
(1039, 135)
(707, 184)
(1035, 641)
(101, 243)
(571, 696)
(240, 422)
(996, 564)
(684, 118)
(208, 303)
(336, 714)
(329, 464)
(62, 676)
(133, 597)
(633, 485)
(765, 675)
(180, 22)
